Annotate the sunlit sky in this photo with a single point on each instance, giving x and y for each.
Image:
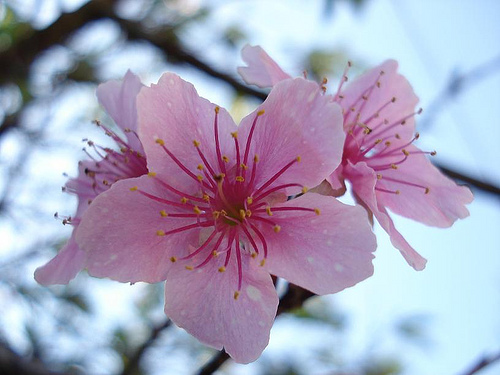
(458, 294)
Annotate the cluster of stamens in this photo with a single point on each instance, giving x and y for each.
(107, 166)
(373, 139)
(229, 200)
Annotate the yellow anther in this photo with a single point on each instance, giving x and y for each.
(234, 135)
(152, 174)
(222, 269)
(378, 84)
(225, 158)
(160, 232)
(196, 143)
(189, 268)
(387, 143)
(240, 178)
(397, 192)
(256, 158)
(305, 189)
(184, 200)
(216, 214)
(173, 259)
(160, 141)
(433, 153)
(215, 254)
(268, 210)
(243, 166)
(317, 211)
(403, 122)
(206, 197)
(262, 262)
(248, 213)
(197, 210)
(253, 255)
(223, 212)
(139, 155)
(427, 190)
(236, 295)
(378, 141)
(405, 152)
(199, 167)
(243, 214)
(393, 99)
(379, 176)
(298, 159)
(417, 135)
(199, 177)
(367, 130)
(217, 109)
(261, 112)
(249, 200)
(133, 188)
(277, 228)
(397, 136)
(394, 166)
(163, 213)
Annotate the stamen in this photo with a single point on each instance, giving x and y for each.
(277, 175)
(249, 139)
(217, 143)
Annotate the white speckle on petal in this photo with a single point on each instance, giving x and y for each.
(113, 257)
(311, 96)
(183, 313)
(310, 260)
(329, 242)
(325, 231)
(172, 82)
(248, 312)
(253, 293)
(261, 323)
(169, 104)
(338, 267)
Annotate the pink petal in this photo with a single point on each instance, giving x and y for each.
(63, 267)
(262, 70)
(323, 254)
(298, 121)
(363, 180)
(392, 85)
(119, 233)
(119, 100)
(202, 302)
(173, 111)
(441, 207)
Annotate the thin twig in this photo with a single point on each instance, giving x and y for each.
(134, 361)
(483, 186)
(482, 363)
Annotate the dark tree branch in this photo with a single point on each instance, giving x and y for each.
(483, 186)
(293, 298)
(482, 363)
(132, 366)
(13, 363)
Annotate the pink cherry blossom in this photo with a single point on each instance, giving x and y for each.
(212, 216)
(98, 174)
(386, 170)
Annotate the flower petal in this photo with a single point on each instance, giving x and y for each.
(441, 206)
(202, 302)
(363, 180)
(262, 70)
(64, 266)
(119, 233)
(119, 100)
(324, 253)
(173, 111)
(297, 121)
(391, 85)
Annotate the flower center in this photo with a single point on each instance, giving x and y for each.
(230, 203)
